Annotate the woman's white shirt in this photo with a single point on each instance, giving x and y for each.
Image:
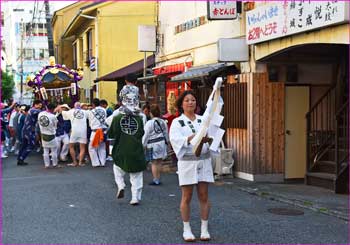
(156, 134)
(181, 128)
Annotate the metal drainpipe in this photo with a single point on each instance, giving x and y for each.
(96, 48)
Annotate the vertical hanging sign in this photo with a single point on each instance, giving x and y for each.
(222, 10)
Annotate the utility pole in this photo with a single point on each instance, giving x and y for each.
(49, 29)
(21, 52)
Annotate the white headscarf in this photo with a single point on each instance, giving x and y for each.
(130, 99)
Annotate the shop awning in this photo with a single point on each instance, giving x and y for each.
(136, 67)
(147, 78)
(200, 72)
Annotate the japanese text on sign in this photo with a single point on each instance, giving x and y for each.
(290, 17)
(218, 10)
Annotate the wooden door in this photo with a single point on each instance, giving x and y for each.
(297, 105)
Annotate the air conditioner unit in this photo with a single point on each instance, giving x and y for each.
(223, 162)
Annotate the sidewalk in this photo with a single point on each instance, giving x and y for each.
(305, 196)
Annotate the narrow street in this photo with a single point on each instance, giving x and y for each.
(78, 206)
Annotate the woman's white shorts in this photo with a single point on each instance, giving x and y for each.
(192, 172)
(81, 140)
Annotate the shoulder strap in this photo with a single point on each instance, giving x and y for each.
(161, 129)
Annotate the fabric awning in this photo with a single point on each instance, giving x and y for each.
(136, 67)
(199, 72)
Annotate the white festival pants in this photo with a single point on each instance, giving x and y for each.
(136, 180)
(97, 154)
(62, 151)
(46, 156)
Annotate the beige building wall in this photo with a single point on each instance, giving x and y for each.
(60, 21)
(117, 34)
(118, 39)
(197, 44)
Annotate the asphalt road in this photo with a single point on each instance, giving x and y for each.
(78, 206)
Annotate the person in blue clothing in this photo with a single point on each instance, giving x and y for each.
(4, 129)
(28, 132)
(62, 135)
(104, 104)
(23, 113)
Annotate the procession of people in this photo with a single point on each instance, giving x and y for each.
(138, 139)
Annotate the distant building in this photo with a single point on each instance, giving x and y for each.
(25, 21)
(101, 38)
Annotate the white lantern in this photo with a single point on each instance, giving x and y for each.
(73, 88)
(43, 93)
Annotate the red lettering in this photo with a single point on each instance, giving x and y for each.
(255, 33)
(258, 32)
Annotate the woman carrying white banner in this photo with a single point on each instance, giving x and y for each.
(192, 170)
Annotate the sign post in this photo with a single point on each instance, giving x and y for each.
(146, 43)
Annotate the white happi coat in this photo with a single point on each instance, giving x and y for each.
(78, 119)
(155, 138)
(97, 118)
(48, 125)
(191, 169)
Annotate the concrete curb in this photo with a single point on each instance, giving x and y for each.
(299, 203)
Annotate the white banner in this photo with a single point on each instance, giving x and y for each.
(290, 17)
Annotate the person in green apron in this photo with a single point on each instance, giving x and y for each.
(127, 129)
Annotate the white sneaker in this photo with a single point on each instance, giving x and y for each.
(188, 236)
(109, 158)
(205, 236)
(134, 202)
(4, 156)
(12, 149)
(204, 231)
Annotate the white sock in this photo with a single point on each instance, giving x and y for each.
(204, 225)
(187, 226)
(204, 229)
(188, 235)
